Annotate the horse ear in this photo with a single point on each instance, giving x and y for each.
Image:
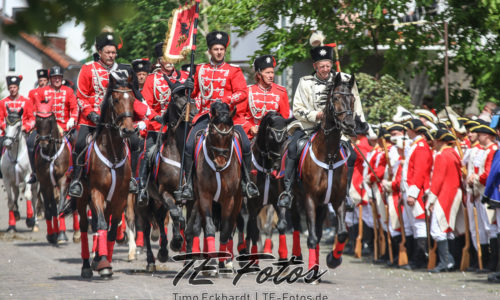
(352, 81)
(233, 112)
(338, 79)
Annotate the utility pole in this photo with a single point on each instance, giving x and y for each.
(446, 92)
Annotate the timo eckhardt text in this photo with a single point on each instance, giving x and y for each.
(250, 296)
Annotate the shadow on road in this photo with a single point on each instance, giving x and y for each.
(71, 260)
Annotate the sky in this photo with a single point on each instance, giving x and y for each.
(72, 33)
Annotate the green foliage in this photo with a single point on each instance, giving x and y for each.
(381, 97)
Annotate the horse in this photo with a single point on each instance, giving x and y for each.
(16, 171)
(52, 167)
(216, 179)
(267, 164)
(108, 168)
(163, 179)
(323, 171)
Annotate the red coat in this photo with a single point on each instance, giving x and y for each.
(490, 153)
(445, 190)
(15, 105)
(357, 192)
(224, 82)
(157, 94)
(416, 173)
(261, 101)
(393, 197)
(63, 102)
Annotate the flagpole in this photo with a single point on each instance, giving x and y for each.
(189, 91)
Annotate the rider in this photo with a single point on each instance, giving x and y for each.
(64, 107)
(157, 94)
(92, 84)
(141, 67)
(264, 96)
(308, 110)
(14, 102)
(217, 81)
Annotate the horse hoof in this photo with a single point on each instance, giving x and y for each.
(36, 228)
(124, 240)
(95, 263)
(77, 235)
(151, 268)
(62, 238)
(52, 238)
(299, 258)
(103, 264)
(87, 273)
(30, 222)
(176, 243)
(333, 262)
(162, 255)
(131, 256)
(106, 272)
(17, 215)
(12, 228)
(155, 234)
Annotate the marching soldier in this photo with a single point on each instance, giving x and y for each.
(308, 110)
(92, 86)
(415, 182)
(445, 197)
(217, 81)
(264, 96)
(157, 94)
(64, 107)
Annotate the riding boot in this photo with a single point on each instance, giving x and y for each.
(349, 204)
(31, 157)
(142, 199)
(75, 187)
(250, 190)
(185, 193)
(444, 257)
(493, 261)
(285, 199)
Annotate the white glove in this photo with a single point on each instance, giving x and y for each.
(70, 124)
(387, 185)
(141, 125)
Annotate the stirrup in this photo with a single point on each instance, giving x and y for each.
(133, 186)
(251, 190)
(75, 189)
(285, 199)
(142, 197)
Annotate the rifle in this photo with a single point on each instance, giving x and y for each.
(389, 238)
(431, 264)
(359, 239)
(375, 229)
(478, 243)
(390, 173)
(403, 255)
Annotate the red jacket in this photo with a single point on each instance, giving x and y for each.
(417, 170)
(63, 103)
(224, 82)
(15, 105)
(261, 101)
(157, 94)
(357, 175)
(490, 153)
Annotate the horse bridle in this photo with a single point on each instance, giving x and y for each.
(224, 152)
(15, 138)
(337, 123)
(115, 120)
(279, 135)
(48, 137)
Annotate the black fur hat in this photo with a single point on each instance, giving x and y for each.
(217, 38)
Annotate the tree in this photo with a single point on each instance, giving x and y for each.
(362, 27)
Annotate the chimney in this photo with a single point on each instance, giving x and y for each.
(58, 42)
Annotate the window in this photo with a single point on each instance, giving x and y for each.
(12, 58)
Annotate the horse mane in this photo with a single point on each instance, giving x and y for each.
(264, 123)
(221, 114)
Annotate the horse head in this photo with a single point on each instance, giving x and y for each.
(271, 136)
(13, 128)
(220, 133)
(340, 105)
(118, 105)
(178, 102)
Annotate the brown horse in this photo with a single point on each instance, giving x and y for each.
(106, 186)
(266, 150)
(163, 179)
(324, 172)
(52, 166)
(216, 179)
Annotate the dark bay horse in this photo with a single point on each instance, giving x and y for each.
(163, 179)
(106, 186)
(216, 179)
(324, 172)
(52, 167)
(266, 151)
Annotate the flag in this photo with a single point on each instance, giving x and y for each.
(179, 37)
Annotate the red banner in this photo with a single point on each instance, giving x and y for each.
(179, 39)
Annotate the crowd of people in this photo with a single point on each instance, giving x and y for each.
(417, 177)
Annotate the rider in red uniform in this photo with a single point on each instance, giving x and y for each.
(14, 103)
(217, 81)
(92, 84)
(264, 96)
(64, 107)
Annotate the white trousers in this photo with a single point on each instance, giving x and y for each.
(436, 232)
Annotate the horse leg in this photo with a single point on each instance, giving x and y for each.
(30, 202)
(160, 216)
(176, 215)
(242, 243)
(51, 235)
(103, 266)
(282, 225)
(226, 230)
(82, 211)
(139, 227)
(268, 229)
(334, 258)
(150, 258)
(297, 228)
(312, 239)
(130, 218)
(11, 205)
(320, 218)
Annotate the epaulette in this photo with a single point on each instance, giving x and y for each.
(495, 147)
(280, 87)
(308, 77)
(234, 65)
(421, 144)
(89, 62)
